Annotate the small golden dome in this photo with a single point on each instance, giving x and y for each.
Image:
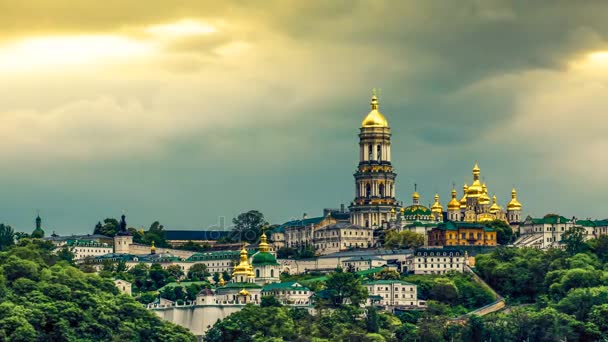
(153, 248)
(263, 247)
(244, 292)
(415, 196)
(437, 208)
(221, 280)
(495, 207)
(454, 204)
(514, 203)
(374, 118)
(243, 268)
(483, 197)
(463, 200)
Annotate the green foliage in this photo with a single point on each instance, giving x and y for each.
(405, 239)
(504, 232)
(198, 272)
(248, 226)
(344, 288)
(7, 237)
(45, 300)
(110, 227)
(195, 247)
(269, 301)
(574, 239)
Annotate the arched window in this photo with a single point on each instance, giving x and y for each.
(368, 191)
(370, 152)
(257, 273)
(381, 188)
(379, 154)
(272, 273)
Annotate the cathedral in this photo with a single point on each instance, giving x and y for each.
(375, 204)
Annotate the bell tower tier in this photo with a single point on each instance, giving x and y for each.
(375, 201)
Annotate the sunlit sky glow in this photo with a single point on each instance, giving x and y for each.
(187, 113)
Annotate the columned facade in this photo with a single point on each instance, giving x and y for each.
(375, 200)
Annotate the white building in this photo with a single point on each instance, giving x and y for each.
(547, 232)
(289, 293)
(342, 236)
(438, 261)
(363, 263)
(87, 248)
(395, 293)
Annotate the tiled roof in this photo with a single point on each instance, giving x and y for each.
(454, 225)
(290, 285)
(387, 282)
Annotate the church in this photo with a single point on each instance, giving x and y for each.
(375, 204)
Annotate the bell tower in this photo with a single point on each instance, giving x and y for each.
(375, 178)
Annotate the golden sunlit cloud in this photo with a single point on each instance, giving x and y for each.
(37, 53)
(601, 56)
(184, 27)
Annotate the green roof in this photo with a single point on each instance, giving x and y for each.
(231, 285)
(216, 255)
(453, 225)
(416, 210)
(388, 281)
(290, 285)
(86, 243)
(550, 219)
(264, 258)
(362, 273)
(183, 284)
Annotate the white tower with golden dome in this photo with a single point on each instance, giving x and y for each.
(514, 208)
(454, 213)
(375, 177)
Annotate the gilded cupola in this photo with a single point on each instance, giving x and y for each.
(484, 198)
(243, 268)
(437, 208)
(463, 200)
(153, 248)
(374, 118)
(514, 203)
(454, 204)
(476, 188)
(495, 207)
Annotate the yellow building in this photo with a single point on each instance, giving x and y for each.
(462, 234)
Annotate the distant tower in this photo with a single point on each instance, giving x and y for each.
(437, 209)
(38, 233)
(375, 179)
(454, 208)
(123, 238)
(514, 208)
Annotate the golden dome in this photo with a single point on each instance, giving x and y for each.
(463, 200)
(495, 207)
(437, 208)
(415, 196)
(244, 292)
(221, 280)
(243, 268)
(454, 204)
(374, 118)
(153, 248)
(483, 197)
(514, 204)
(263, 247)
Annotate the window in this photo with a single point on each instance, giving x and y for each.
(379, 152)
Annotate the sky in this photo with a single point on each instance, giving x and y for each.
(190, 112)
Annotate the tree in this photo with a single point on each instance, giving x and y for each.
(504, 232)
(66, 255)
(388, 274)
(7, 237)
(269, 301)
(109, 227)
(248, 226)
(175, 271)
(198, 272)
(405, 239)
(574, 239)
(345, 288)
